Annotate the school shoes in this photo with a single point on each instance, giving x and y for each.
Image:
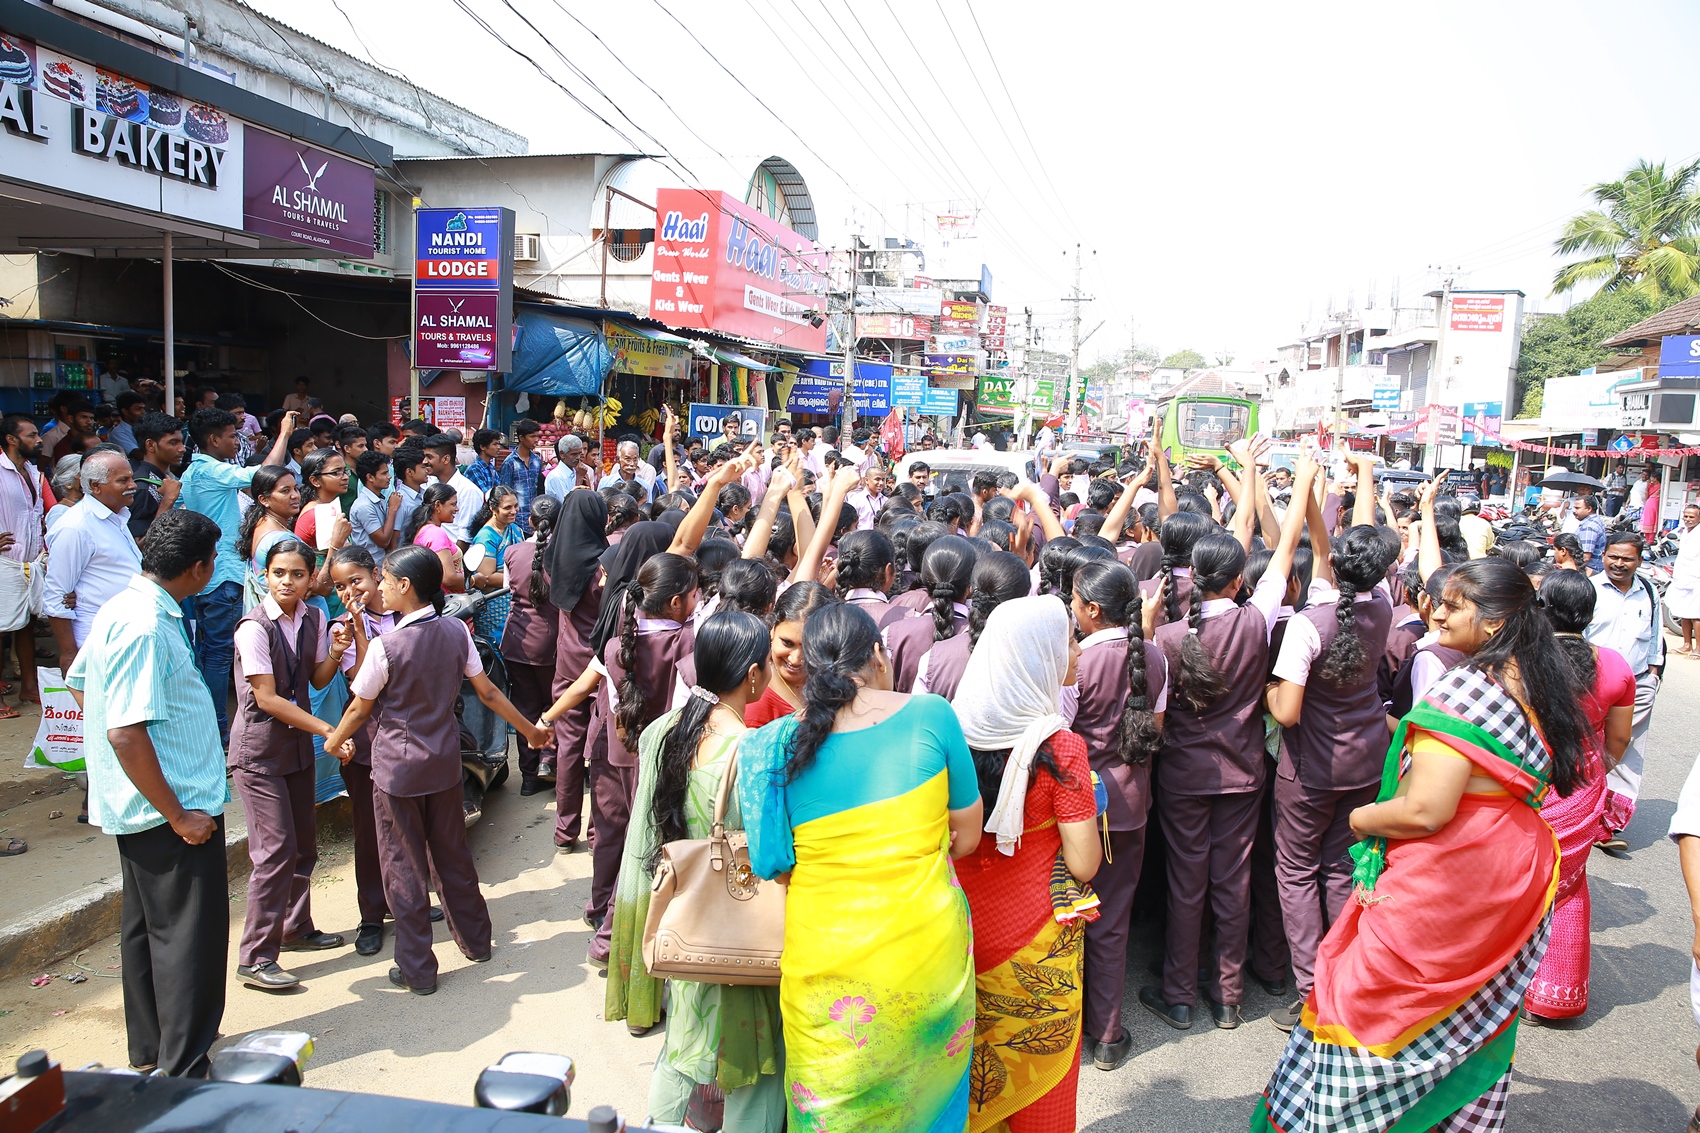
(1110, 1056)
(529, 787)
(1276, 988)
(369, 938)
(1226, 1015)
(396, 978)
(546, 771)
(266, 976)
(436, 914)
(1286, 1018)
(1176, 1015)
(314, 942)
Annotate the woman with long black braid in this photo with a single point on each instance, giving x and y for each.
(1179, 533)
(998, 578)
(1324, 696)
(859, 801)
(531, 636)
(1210, 785)
(948, 574)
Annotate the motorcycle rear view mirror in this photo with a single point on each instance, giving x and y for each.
(474, 557)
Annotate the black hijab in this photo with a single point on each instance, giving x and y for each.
(640, 542)
(574, 548)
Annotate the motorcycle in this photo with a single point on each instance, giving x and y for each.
(483, 734)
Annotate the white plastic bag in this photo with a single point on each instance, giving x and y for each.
(59, 738)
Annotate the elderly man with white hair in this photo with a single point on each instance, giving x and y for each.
(570, 471)
(629, 469)
(90, 551)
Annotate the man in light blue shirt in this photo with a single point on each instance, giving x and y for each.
(130, 406)
(1627, 618)
(210, 486)
(156, 782)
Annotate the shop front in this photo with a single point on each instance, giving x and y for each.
(115, 165)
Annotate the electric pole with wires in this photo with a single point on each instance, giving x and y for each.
(1071, 424)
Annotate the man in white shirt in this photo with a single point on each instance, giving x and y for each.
(469, 497)
(564, 477)
(629, 469)
(1685, 832)
(91, 552)
(1627, 618)
(813, 459)
(21, 516)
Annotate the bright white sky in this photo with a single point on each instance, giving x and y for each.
(1228, 168)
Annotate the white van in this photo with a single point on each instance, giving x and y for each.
(961, 464)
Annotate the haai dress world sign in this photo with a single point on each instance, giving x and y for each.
(721, 265)
(463, 289)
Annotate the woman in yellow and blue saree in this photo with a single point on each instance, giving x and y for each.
(862, 799)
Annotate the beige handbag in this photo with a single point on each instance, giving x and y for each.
(711, 919)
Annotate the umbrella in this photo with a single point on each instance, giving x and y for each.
(1570, 481)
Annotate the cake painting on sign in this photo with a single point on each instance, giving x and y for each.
(61, 79)
(165, 109)
(205, 124)
(17, 61)
(120, 97)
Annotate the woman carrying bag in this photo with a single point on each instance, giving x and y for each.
(719, 1033)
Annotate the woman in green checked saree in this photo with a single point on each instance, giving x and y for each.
(1413, 1019)
(716, 1033)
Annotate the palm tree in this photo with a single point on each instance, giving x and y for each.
(1642, 240)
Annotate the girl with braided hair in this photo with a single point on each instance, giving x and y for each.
(998, 578)
(1180, 531)
(1122, 694)
(860, 800)
(948, 575)
(1326, 699)
(913, 596)
(1211, 787)
(530, 637)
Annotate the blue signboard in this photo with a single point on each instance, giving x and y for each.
(706, 421)
(1621, 443)
(909, 389)
(462, 249)
(1480, 419)
(820, 387)
(1679, 356)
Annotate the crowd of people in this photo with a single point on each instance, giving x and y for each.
(960, 714)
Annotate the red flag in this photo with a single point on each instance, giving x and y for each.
(891, 435)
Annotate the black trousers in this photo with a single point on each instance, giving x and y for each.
(175, 942)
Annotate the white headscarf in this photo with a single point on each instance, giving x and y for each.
(1008, 698)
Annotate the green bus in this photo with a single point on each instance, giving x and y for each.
(1194, 424)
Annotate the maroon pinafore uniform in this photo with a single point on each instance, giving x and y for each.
(1331, 763)
(528, 648)
(1102, 681)
(271, 767)
(357, 780)
(907, 641)
(574, 734)
(416, 796)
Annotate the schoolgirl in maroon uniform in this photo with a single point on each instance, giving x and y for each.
(531, 636)
(998, 578)
(947, 573)
(404, 688)
(1181, 530)
(282, 653)
(915, 596)
(571, 561)
(355, 577)
(1118, 702)
(1212, 765)
(1333, 742)
(867, 570)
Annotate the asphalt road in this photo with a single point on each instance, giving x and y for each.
(1628, 1064)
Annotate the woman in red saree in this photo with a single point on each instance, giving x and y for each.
(1025, 885)
(1413, 1019)
(1560, 990)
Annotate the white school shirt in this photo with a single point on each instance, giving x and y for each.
(1302, 645)
(253, 646)
(1071, 693)
(374, 673)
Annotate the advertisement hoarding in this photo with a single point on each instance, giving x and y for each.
(1478, 313)
(722, 265)
(819, 388)
(959, 318)
(909, 389)
(443, 412)
(463, 289)
(1480, 419)
(1679, 356)
(910, 327)
(307, 195)
(708, 421)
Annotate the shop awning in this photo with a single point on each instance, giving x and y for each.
(557, 354)
(650, 333)
(733, 358)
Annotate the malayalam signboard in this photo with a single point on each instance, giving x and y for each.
(308, 195)
(721, 265)
(1478, 312)
(952, 371)
(959, 318)
(819, 388)
(911, 327)
(1679, 356)
(463, 281)
(709, 421)
(1384, 392)
(1482, 418)
(443, 412)
(909, 389)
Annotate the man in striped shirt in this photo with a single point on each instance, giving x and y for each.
(156, 782)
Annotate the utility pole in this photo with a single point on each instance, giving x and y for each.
(1072, 422)
(848, 424)
(1340, 382)
(1437, 372)
(1023, 402)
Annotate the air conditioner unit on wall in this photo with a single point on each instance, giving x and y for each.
(525, 247)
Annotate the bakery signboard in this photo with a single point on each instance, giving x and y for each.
(292, 190)
(721, 265)
(79, 129)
